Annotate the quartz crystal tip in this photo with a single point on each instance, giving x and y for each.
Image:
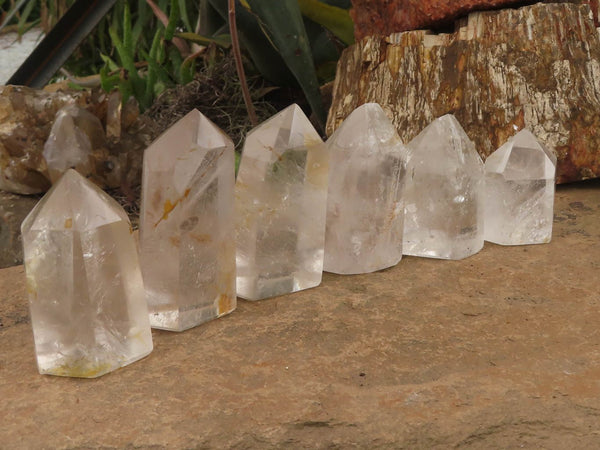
(187, 225)
(519, 192)
(444, 193)
(280, 201)
(365, 208)
(522, 157)
(75, 134)
(85, 289)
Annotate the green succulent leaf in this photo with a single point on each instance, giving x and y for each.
(174, 16)
(337, 20)
(283, 24)
(264, 56)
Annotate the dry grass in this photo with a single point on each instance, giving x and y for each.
(216, 93)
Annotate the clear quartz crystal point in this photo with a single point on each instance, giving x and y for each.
(281, 200)
(519, 192)
(187, 227)
(444, 193)
(74, 134)
(86, 295)
(365, 209)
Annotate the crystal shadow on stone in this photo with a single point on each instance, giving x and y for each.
(85, 288)
(444, 193)
(365, 208)
(187, 227)
(519, 192)
(281, 200)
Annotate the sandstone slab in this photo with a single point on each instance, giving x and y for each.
(542, 73)
(13, 209)
(496, 351)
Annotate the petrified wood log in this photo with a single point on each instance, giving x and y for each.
(536, 67)
(384, 17)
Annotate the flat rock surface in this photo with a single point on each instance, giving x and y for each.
(13, 210)
(500, 350)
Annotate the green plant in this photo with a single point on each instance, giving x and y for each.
(143, 64)
(293, 42)
(145, 46)
(16, 14)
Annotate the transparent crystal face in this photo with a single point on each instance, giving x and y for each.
(522, 158)
(280, 200)
(69, 145)
(76, 204)
(187, 226)
(365, 209)
(86, 295)
(519, 192)
(444, 193)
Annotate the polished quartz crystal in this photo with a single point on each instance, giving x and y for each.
(86, 295)
(281, 200)
(519, 192)
(444, 193)
(365, 209)
(187, 234)
(75, 133)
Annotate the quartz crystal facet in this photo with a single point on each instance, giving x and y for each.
(86, 295)
(73, 136)
(365, 209)
(444, 193)
(281, 200)
(519, 192)
(187, 227)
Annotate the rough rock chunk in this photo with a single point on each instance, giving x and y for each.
(26, 118)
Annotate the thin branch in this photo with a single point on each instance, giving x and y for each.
(237, 54)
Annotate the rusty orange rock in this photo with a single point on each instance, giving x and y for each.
(384, 17)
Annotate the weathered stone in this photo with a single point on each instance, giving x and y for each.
(541, 73)
(13, 209)
(26, 118)
(384, 17)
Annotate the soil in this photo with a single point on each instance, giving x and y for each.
(500, 350)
